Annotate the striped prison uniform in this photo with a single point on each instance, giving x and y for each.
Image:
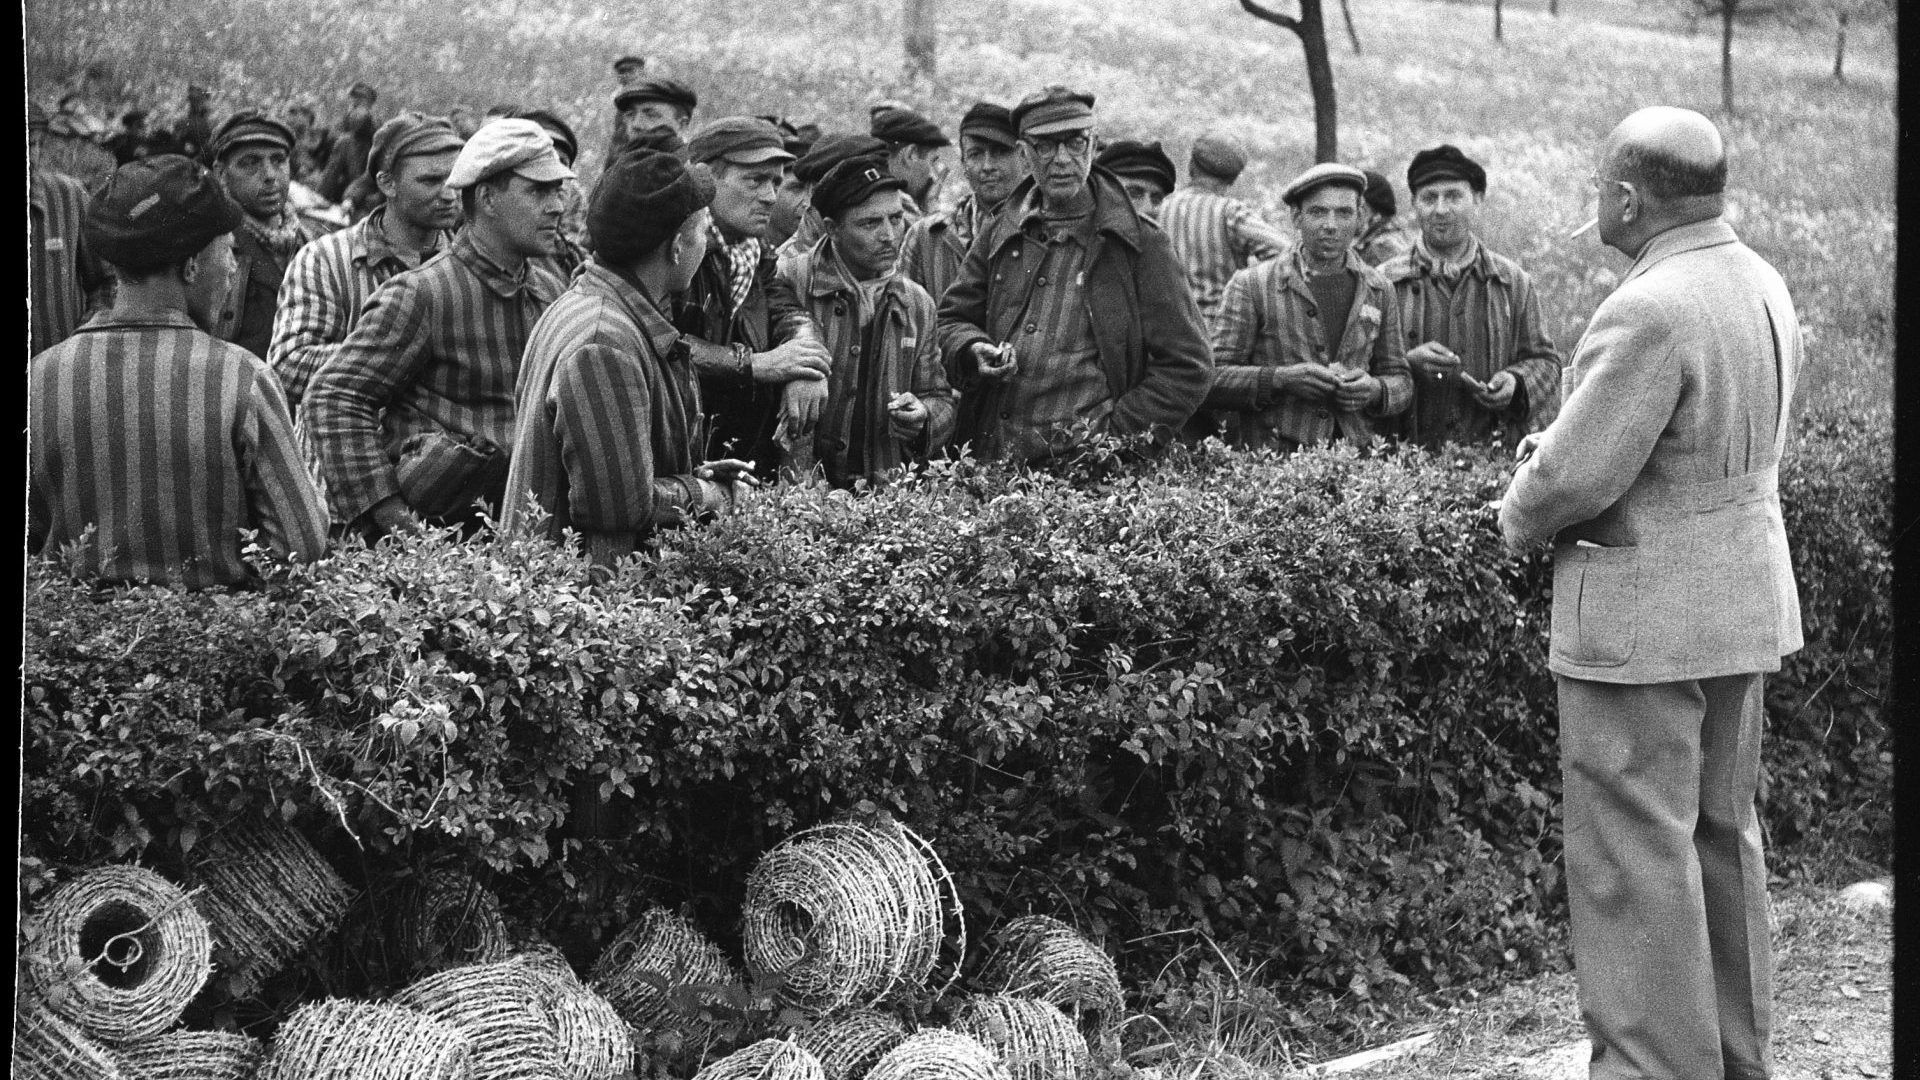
(931, 252)
(167, 442)
(1214, 236)
(605, 442)
(327, 284)
(418, 400)
(61, 272)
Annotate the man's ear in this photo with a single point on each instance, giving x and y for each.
(190, 269)
(386, 183)
(1634, 205)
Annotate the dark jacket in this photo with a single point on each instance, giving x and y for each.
(1145, 324)
(741, 414)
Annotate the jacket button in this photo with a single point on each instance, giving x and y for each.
(1043, 279)
(855, 351)
(1032, 329)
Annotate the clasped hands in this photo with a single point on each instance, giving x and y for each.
(1344, 388)
(1442, 364)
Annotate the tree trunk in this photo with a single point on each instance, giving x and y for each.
(1346, 12)
(1553, 8)
(1497, 34)
(1311, 28)
(1727, 10)
(922, 40)
(1840, 51)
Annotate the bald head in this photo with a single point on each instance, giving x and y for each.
(1674, 154)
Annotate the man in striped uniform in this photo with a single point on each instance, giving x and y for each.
(251, 152)
(913, 151)
(330, 279)
(412, 416)
(1214, 234)
(820, 158)
(935, 245)
(64, 278)
(152, 444)
(605, 443)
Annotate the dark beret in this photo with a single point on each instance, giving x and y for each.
(157, 212)
(991, 122)
(667, 90)
(1139, 160)
(565, 143)
(642, 199)
(1445, 162)
(250, 127)
(362, 90)
(831, 150)
(1053, 110)
(1379, 194)
(904, 126)
(852, 182)
(406, 135)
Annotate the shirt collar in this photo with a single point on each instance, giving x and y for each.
(496, 278)
(368, 243)
(1447, 268)
(654, 324)
(1037, 225)
(1700, 234)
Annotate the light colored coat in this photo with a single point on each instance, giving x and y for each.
(1659, 480)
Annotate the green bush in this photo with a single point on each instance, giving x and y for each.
(1296, 705)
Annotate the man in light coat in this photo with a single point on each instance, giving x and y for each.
(1673, 593)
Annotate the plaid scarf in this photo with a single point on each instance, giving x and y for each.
(744, 260)
(283, 237)
(1449, 271)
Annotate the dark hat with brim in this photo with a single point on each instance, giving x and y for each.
(993, 123)
(852, 182)
(1129, 159)
(250, 127)
(363, 91)
(738, 140)
(904, 127)
(1052, 111)
(1379, 194)
(157, 212)
(668, 90)
(832, 149)
(410, 134)
(1325, 174)
(641, 201)
(1445, 162)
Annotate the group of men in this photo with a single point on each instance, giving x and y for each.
(747, 301)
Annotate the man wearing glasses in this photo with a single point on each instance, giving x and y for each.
(1673, 593)
(1070, 315)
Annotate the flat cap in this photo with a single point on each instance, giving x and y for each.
(1445, 162)
(250, 127)
(408, 135)
(1138, 160)
(1217, 153)
(1053, 110)
(629, 62)
(363, 91)
(906, 127)
(994, 123)
(565, 143)
(156, 212)
(796, 138)
(831, 150)
(1321, 175)
(1379, 194)
(508, 145)
(740, 140)
(852, 182)
(642, 199)
(667, 90)
(885, 104)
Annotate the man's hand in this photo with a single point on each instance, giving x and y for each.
(722, 482)
(392, 515)
(1434, 360)
(800, 404)
(995, 361)
(1528, 444)
(1356, 391)
(802, 359)
(1314, 383)
(908, 415)
(1497, 393)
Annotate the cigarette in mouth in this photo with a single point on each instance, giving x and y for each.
(1584, 229)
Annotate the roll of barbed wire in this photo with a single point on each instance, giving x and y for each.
(939, 1054)
(593, 1041)
(1040, 957)
(848, 1042)
(447, 919)
(1033, 1039)
(341, 1039)
(768, 1059)
(657, 970)
(46, 1047)
(848, 913)
(498, 1007)
(191, 1055)
(267, 894)
(120, 951)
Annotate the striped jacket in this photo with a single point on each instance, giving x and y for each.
(608, 410)
(1215, 236)
(418, 400)
(167, 442)
(1268, 318)
(327, 284)
(61, 272)
(894, 352)
(934, 246)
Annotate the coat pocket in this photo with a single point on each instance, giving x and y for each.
(1596, 597)
(440, 472)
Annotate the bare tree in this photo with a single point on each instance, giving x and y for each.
(1553, 8)
(1497, 28)
(1311, 29)
(922, 40)
(1346, 12)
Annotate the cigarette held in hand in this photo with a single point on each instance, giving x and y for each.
(1584, 229)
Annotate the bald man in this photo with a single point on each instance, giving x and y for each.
(1673, 594)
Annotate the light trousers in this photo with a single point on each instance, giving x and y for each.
(1665, 877)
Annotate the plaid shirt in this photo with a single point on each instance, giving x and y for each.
(418, 400)
(327, 284)
(1268, 318)
(1485, 309)
(167, 442)
(61, 272)
(1214, 236)
(608, 411)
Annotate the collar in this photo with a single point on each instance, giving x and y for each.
(1113, 213)
(497, 279)
(1473, 258)
(654, 323)
(1297, 272)
(368, 243)
(1676, 241)
(829, 273)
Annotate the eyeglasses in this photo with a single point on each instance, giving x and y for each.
(1048, 149)
(1599, 182)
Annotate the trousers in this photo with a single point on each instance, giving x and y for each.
(1666, 879)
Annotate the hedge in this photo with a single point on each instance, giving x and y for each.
(1296, 705)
